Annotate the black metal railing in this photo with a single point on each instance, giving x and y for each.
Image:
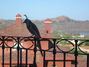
(15, 52)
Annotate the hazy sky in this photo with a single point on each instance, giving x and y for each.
(41, 9)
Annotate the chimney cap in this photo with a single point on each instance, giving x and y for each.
(18, 19)
(18, 15)
(48, 20)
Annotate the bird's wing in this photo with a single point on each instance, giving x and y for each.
(34, 29)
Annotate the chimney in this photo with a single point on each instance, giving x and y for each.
(18, 19)
(48, 25)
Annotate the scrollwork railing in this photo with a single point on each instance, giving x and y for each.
(22, 46)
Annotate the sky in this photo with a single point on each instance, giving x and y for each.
(42, 9)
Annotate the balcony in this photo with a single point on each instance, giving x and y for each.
(23, 52)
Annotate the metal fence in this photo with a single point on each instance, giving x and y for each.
(8, 44)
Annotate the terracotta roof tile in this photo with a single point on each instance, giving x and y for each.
(15, 30)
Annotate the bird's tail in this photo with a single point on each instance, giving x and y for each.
(39, 46)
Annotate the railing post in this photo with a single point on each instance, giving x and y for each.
(44, 59)
(87, 60)
(64, 59)
(76, 52)
(54, 52)
(10, 56)
(3, 47)
(18, 55)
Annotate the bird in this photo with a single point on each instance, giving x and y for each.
(32, 28)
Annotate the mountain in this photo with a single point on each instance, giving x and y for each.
(62, 19)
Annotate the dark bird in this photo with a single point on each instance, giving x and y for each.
(32, 28)
(35, 32)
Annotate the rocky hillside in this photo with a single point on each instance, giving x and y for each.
(65, 24)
